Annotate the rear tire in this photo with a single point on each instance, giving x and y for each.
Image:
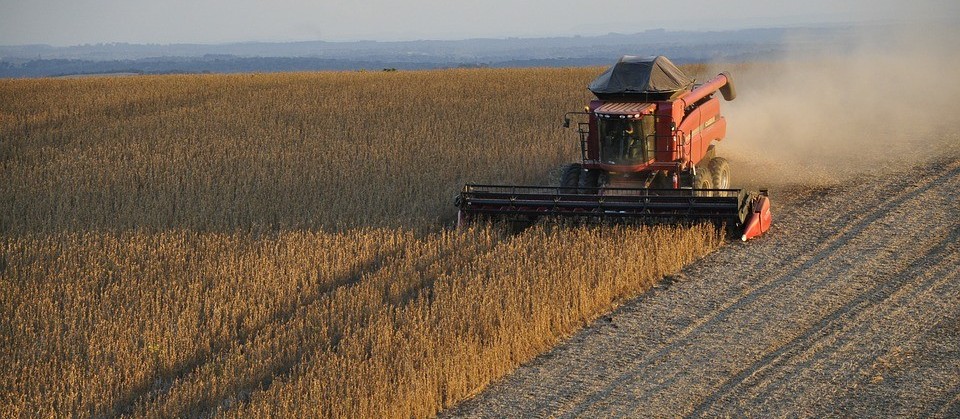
(570, 177)
(711, 153)
(720, 169)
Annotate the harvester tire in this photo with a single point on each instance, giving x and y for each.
(720, 171)
(570, 177)
(589, 181)
(703, 180)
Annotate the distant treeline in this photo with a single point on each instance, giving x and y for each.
(232, 64)
(61, 67)
(680, 46)
(173, 65)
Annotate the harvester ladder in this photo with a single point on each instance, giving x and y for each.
(583, 128)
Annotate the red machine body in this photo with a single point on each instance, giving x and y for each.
(647, 153)
(683, 131)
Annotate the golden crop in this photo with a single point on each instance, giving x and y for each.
(279, 244)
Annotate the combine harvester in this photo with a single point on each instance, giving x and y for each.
(647, 153)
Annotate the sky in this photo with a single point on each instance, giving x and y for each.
(76, 22)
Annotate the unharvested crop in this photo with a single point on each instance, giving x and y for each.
(219, 153)
(277, 244)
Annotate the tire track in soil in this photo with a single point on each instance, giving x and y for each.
(857, 210)
(813, 334)
(937, 284)
(948, 407)
(823, 255)
(838, 319)
(783, 354)
(883, 403)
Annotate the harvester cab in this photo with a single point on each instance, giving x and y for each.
(648, 152)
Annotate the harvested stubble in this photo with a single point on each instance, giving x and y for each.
(244, 245)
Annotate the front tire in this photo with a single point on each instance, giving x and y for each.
(720, 169)
(570, 177)
(703, 180)
(590, 180)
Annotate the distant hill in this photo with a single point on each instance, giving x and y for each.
(680, 46)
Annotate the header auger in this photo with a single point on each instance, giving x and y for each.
(647, 153)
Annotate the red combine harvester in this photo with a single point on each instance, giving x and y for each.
(647, 153)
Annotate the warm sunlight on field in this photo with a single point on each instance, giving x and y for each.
(322, 150)
(281, 244)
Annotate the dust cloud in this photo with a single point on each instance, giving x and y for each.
(884, 100)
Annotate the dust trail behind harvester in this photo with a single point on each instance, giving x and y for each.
(887, 100)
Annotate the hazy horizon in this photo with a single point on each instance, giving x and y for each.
(219, 21)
